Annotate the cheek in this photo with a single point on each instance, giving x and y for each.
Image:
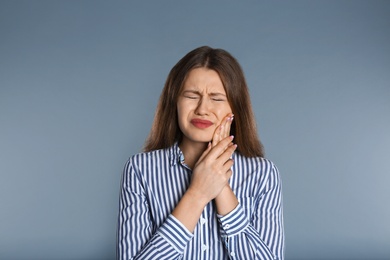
(222, 112)
(182, 115)
(181, 110)
(179, 116)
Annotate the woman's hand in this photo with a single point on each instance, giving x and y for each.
(226, 200)
(210, 179)
(224, 130)
(213, 169)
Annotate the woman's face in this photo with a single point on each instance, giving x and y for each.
(202, 105)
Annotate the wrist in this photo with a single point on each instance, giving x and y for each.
(225, 191)
(189, 209)
(226, 201)
(197, 198)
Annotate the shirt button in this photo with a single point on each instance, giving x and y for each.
(227, 226)
(232, 254)
(204, 247)
(202, 220)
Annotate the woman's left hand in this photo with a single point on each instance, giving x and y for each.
(226, 200)
(223, 130)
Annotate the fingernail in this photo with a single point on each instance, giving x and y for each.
(232, 137)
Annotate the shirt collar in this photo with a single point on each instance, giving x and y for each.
(175, 154)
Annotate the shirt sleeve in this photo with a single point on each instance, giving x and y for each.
(137, 237)
(259, 235)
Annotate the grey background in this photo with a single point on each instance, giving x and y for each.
(80, 80)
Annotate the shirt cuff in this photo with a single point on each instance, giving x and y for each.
(233, 223)
(175, 233)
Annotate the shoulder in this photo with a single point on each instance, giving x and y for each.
(147, 155)
(253, 176)
(259, 164)
(259, 168)
(143, 159)
(139, 166)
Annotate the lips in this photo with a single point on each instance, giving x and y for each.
(200, 123)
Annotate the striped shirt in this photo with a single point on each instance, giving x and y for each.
(152, 185)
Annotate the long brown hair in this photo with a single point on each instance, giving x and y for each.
(165, 129)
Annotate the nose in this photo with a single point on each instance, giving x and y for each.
(202, 107)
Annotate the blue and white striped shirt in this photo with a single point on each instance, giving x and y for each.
(154, 182)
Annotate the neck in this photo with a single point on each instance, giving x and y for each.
(192, 151)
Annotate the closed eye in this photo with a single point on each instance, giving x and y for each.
(191, 97)
(219, 97)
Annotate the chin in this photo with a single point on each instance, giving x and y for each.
(202, 140)
(199, 139)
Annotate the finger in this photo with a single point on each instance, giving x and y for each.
(221, 147)
(227, 154)
(205, 153)
(217, 134)
(230, 123)
(227, 174)
(226, 128)
(228, 165)
(227, 124)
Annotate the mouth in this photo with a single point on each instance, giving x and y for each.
(200, 123)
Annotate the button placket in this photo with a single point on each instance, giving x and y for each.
(203, 227)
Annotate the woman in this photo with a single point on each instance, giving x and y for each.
(202, 189)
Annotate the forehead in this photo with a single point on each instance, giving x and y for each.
(203, 79)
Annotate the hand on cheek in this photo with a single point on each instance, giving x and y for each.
(223, 130)
(213, 169)
(226, 200)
